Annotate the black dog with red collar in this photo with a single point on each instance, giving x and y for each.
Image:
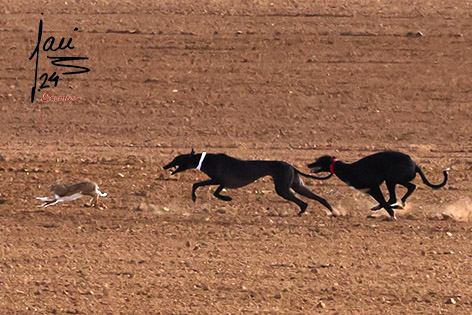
(370, 172)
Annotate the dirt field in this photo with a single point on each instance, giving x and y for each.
(282, 80)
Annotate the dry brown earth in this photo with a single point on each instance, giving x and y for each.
(288, 80)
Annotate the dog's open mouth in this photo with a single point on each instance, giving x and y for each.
(316, 169)
(175, 168)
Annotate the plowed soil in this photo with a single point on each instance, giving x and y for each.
(284, 80)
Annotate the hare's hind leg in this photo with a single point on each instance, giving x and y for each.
(93, 201)
(48, 203)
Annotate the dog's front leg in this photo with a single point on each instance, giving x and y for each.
(204, 183)
(222, 197)
(376, 193)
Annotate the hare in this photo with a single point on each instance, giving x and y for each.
(68, 192)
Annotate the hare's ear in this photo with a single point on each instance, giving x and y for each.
(193, 152)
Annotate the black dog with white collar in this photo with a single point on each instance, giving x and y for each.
(229, 172)
(368, 173)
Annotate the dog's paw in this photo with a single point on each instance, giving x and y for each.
(377, 207)
(397, 205)
(335, 213)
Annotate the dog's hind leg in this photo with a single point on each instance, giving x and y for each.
(222, 197)
(376, 193)
(283, 180)
(300, 188)
(282, 187)
(391, 192)
(411, 188)
(200, 184)
(287, 194)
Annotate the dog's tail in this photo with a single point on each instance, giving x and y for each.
(45, 198)
(313, 176)
(425, 180)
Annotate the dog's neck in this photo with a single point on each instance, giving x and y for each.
(342, 170)
(331, 166)
(199, 166)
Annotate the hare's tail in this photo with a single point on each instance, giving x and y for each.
(101, 194)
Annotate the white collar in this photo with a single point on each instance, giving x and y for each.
(201, 161)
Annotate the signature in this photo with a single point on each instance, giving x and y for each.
(48, 46)
(49, 98)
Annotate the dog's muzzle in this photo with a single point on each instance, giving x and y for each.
(166, 167)
(316, 169)
(177, 168)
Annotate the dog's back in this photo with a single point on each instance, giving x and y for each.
(235, 173)
(379, 159)
(386, 165)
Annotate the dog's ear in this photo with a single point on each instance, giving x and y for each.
(193, 152)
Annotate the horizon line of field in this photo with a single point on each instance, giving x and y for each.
(154, 158)
(137, 32)
(133, 146)
(153, 12)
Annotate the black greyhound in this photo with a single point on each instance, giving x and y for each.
(369, 172)
(229, 172)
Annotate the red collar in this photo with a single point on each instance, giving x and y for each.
(331, 166)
